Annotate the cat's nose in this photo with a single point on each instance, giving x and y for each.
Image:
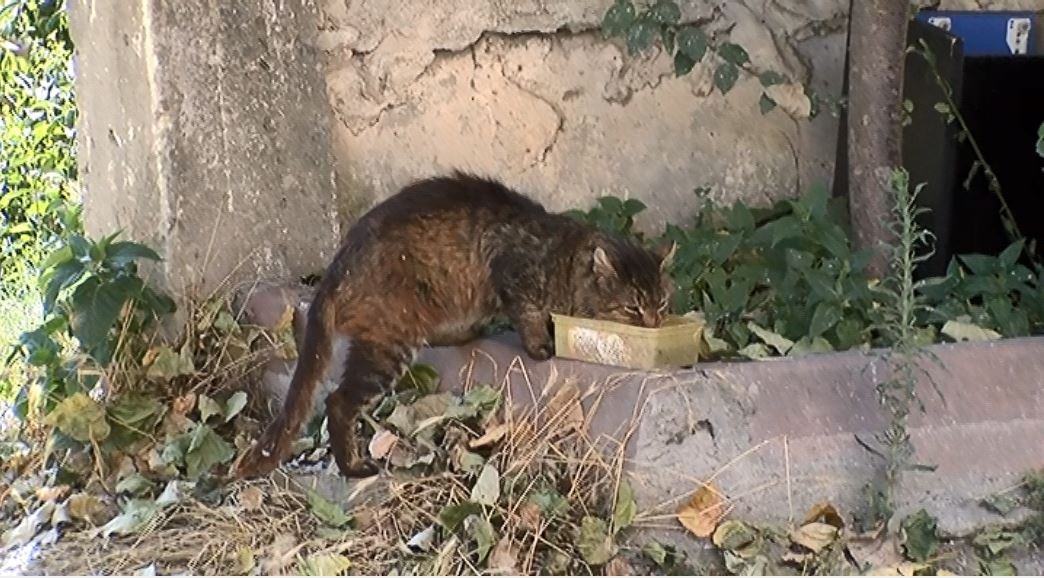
(650, 318)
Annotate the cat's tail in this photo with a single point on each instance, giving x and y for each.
(312, 362)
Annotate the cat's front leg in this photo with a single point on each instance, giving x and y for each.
(534, 328)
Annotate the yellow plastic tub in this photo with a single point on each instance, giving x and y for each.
(675, 344)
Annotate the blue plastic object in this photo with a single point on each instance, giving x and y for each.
(989, 33)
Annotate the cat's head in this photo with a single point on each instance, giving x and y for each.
(630, 284)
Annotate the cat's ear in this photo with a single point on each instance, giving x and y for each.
(602, 265)
(665, 253)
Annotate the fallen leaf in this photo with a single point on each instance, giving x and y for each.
(565, 407)
(420, 376)
(281, 553)
(903, 569)
(467, 462)
(486, 490)
(284, 334)
(961, 331)
(208, 407)
(755, 351)
(482, 532)
(251, 498)
(245, 562)
(85, 507)
(618, 566)
(136, 515)
(918, 536)
(626, 508)
(60, 516)
(235, 404)
(422, 540)
(777, 341)
(826, 513)
(504, 558)
(595, 544)
(324, 565)
(737, 537)
(492, 436)
(703, 512)
(453, 516)
(81, 418)
(530, 516)
(329, 513)
(164, 364)
(206, 449)
(815, 536)
(655, 552)
(1001, 504)
(51, 493)
(791, 98)
(550, 502)
(149, 570)
(29, 526)
(402, 419)
(183, 405)
(381, 443)
(134, 484)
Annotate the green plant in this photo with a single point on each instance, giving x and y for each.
(92, 294)
(612, 215)
(687, 43)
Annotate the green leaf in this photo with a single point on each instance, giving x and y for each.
(682, 64)
(328, 512)
(422, 377)
(770, 78)
(655, 552)
(96, 308)
(125, 252)
(778, 342)
(755, 351)
(595, 544)
(134, 484)
(1001, 504)
(235, 404)
(1010, 255)
(486, 490)
(135, 516)
(64, 275)
(626, 508)
(692, 43)
(725, 76)
(483, 533)
(206, 449)
(733, 54)
(826, 315)
(665, 12)
(980, 264)
(640, 35)
(918, 536)
(208, 408)
(618, 19)
(81, 418)
(550, 502)
(167, 365)
(451, 517)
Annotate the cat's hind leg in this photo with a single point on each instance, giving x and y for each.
(371, 369)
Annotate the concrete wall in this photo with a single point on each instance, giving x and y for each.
(215, 131)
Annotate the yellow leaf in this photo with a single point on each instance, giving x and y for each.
(492, 436)
(251, 498)
(903, 569)
(703, 511)
(814, 536)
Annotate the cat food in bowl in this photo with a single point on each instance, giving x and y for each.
(674, 344)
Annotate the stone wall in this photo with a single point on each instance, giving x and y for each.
(239, 138)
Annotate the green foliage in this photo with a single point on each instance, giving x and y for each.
(687, 43)
(92, 294)
(38, 160)
(612, 215)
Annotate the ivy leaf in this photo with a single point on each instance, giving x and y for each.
(682, 64)
(692, 42)
(618, 18)
(725, 76)
(640, 35)
(626, 508)
(81, 418)
(665, 12)
(918, 536)
(595, 544)
(733, 54)
(328, 512)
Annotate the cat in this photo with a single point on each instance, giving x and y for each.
(431, 265)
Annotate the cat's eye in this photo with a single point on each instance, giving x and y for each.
(632, 310)
(663, 305)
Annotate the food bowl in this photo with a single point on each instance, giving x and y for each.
(674, 344)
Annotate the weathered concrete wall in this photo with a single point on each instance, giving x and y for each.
(204, 131)
(531, 92)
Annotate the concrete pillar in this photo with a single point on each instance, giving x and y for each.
(204, 132)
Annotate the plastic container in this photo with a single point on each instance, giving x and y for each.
(674, 344)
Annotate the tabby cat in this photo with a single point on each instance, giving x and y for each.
(429, 266)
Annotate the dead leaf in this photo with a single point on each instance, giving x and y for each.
(825, 512)
(381, 443)
(618, 567)
(184, 404)
(492, 436)
(565, 408)
(815, 536)
(791, 98)
(251, 498)
(245, 562)
(86, 507)
(703, 512)
(504, 559)
(281, 553)
(487, 488)
(324, 565)
(530, 515)
(51, 493)
(423, 540)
